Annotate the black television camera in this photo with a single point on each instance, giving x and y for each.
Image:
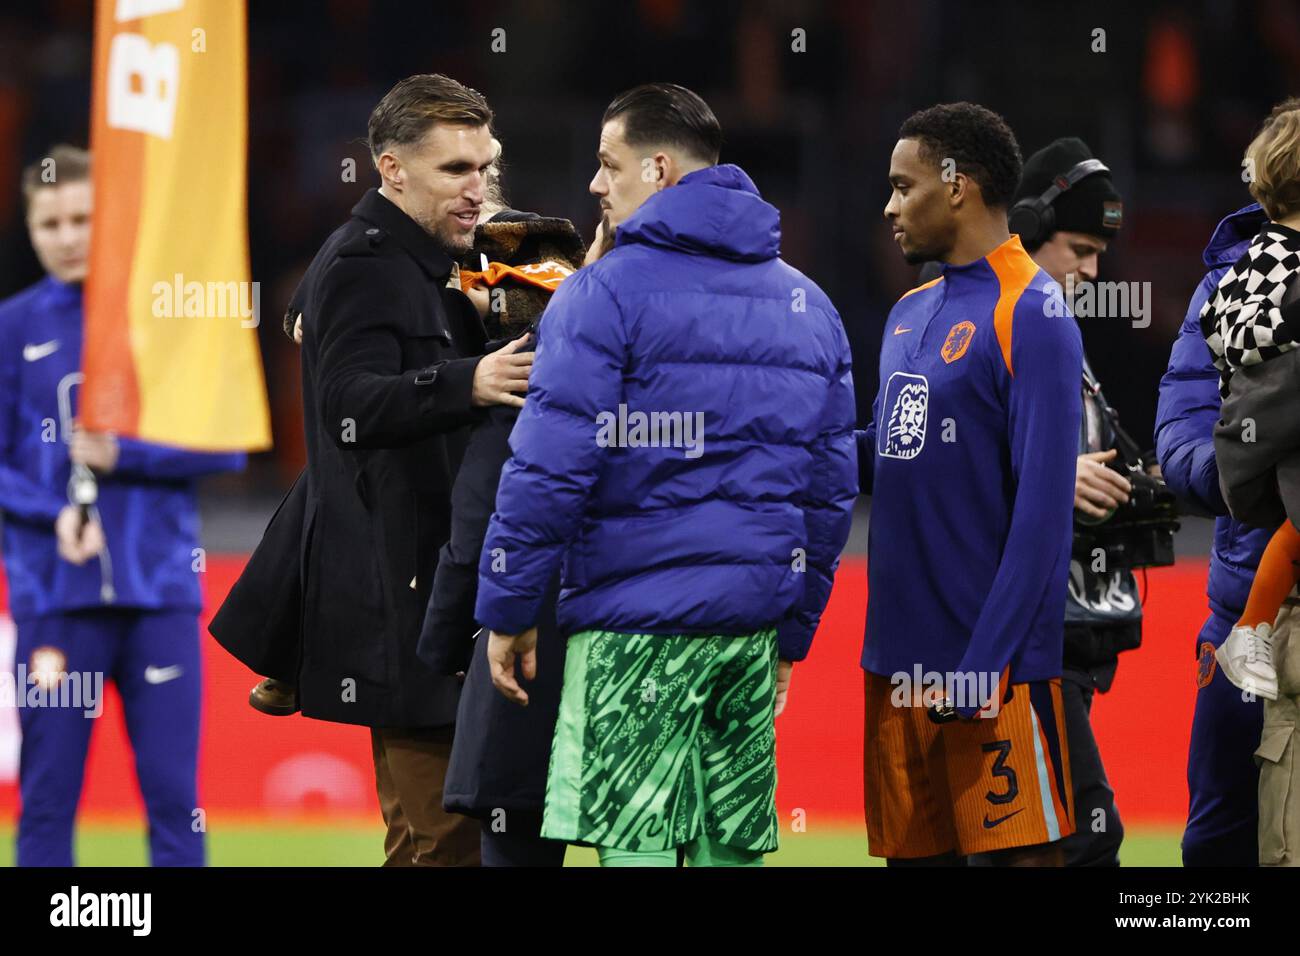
(1139, 533)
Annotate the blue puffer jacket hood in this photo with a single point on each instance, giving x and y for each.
(686, 451)
(1232, 235)
(1185, 419)
(715, 211)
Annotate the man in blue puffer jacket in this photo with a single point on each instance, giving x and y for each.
(687, 450)
(1222, 779)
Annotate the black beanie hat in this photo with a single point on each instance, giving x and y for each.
(1090, 206)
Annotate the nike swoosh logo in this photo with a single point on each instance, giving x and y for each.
(899, 330)
(990, 824)
(161, 675)
(33, 353)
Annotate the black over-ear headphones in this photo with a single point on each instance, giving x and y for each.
(1033, 219)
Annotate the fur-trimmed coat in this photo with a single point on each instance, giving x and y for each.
(501, 751)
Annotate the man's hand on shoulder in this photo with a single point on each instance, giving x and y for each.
(501, 377)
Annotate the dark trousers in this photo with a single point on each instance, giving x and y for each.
(410, 766)
(1222, 776)
(516, 840)
(153, 658)
(1097, 828)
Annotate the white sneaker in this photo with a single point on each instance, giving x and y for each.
(1246, 658)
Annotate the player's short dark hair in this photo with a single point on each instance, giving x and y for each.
(665, 114)
(61, 164)
(415, 104)
(976, 139)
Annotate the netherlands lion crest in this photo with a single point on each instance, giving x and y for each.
(958, 341)
(1205, 664)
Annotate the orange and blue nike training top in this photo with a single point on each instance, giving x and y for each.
(973, 444)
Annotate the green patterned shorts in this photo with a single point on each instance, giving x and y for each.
(664, 738)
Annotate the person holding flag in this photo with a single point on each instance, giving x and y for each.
(113, 593)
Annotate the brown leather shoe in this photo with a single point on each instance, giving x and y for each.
(274, 697)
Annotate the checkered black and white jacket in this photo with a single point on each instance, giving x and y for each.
(1246, 321)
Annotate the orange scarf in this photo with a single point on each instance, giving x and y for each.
(545, 275)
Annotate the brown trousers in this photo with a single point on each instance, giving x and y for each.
(410, 766)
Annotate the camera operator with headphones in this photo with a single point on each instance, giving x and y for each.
(1065, 212)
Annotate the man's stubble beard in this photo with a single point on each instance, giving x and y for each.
(454, 243)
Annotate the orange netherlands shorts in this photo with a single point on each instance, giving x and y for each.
(968, 786)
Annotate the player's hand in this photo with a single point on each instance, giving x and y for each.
(601, 242)
(784, 671)
(502, 374)
(97, 450)
(78, 541)
(297, 330)
(502, 651)
(1098, 489)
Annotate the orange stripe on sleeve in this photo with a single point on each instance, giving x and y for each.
(1015, 270)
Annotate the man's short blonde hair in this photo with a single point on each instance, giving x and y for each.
(1273, 161)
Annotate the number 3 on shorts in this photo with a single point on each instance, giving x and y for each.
(1000, 769)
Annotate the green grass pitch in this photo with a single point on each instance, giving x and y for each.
(274, 844)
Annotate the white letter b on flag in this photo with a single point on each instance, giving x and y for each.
(156, 69)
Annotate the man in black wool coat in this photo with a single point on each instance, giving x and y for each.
(394, 373)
